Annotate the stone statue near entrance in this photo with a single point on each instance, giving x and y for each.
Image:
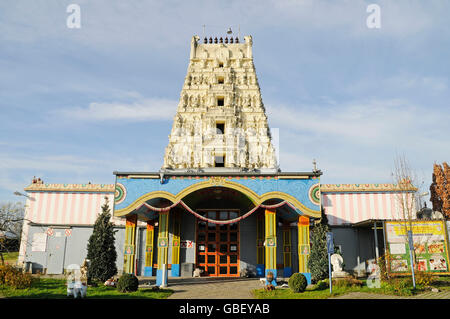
(337, 261)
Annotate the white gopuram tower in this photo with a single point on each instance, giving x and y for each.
(220, 120)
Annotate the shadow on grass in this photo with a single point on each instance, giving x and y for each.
(56, 289)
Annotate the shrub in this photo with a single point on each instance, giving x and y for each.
(347, 282)
(384, 272)
(424, 278)
(297, 282)
(399, 286)
(128, 283)
(101, 250)
(14, 278)
(322, 284)
(318, 258)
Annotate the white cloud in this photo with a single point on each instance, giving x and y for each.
(357, 141)
(149, 109)
(56, 163)
(367, 122)
(427, 83)
(162, 24)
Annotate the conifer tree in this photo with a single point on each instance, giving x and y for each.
(101, 247)
(318, 259)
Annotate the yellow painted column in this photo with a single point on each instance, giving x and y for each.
(176, 226)
(260, 245)
(303, 247)
(130, 245)
(271, 243)
(287, 251)
(148, 269)
(163, 245)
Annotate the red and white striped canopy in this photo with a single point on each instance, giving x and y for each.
(68, 208)
(353, 207)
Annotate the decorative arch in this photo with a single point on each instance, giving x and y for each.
(222, 182)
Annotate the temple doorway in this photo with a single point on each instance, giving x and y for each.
(218, 244)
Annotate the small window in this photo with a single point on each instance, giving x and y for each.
(220, 128)
(220, 79)
(220, 64)
(220, 101)
(219, 161)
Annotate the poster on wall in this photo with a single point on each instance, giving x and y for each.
(39, 242)
(430, 245)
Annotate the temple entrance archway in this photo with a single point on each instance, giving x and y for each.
(218, 244)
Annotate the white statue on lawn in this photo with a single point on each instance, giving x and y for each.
(337, 261)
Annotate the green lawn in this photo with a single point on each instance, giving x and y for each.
(10, 258)
(48, 288)
(443, 283)
(312, 293)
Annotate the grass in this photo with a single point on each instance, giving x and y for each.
(314, 292)
(442, 283)
(49, 288)
(10, 258)
(309, 293)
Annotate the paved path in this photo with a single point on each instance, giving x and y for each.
(216, 288)
(213, 288)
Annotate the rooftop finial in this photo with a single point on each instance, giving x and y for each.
(314, 166)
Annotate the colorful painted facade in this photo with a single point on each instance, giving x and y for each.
(212, 212)
(219, 203)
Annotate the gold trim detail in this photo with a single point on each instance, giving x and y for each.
(329, 188)
(103, 188)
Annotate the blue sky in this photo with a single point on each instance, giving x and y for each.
(78, 104)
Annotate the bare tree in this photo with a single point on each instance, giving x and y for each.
(11, 221)
(405, 179)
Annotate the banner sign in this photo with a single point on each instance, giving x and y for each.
(429, 243)
(39, 242)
